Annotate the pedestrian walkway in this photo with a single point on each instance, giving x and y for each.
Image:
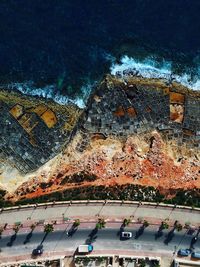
(106, 253)
(91, 211)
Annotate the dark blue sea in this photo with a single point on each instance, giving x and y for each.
(60, 48)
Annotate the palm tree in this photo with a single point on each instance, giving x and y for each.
(32, 227)
(16, 228)
(76, 223)
(164, 225)
(145, 223)
(187, 225)
(179, 227)
(101, 223)
(48, 228)
(126, 222)
(98, 226)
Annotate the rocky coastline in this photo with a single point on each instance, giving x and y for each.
(134, 131)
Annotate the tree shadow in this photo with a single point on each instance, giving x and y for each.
(92, 236)
(45, 236)
(121, 229)
(28, 237)
(169, 237)
(139, 232)
(159, 233)
(72, 231)
(12, 239)
(190, 231)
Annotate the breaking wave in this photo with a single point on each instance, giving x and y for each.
(150, 68)
(49, 92)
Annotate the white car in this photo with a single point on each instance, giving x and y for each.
(126, 234)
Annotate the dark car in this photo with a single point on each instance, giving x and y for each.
(184, 252)
(38, 251)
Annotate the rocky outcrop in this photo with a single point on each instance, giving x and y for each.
(133, 131)
(32, 132)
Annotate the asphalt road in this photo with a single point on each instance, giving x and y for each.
(104, 239)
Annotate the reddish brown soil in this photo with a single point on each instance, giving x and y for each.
(140, 160)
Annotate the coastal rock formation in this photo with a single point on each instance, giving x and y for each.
(133, 131)
(32, 131)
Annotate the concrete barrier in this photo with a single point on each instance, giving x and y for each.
(101, 202)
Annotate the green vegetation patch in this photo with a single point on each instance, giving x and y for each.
(123, 192)
(79, 178)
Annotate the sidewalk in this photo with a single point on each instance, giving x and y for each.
(91, 212)
(62, 254)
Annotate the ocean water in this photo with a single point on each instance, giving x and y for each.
(59, 49)
(151, 68)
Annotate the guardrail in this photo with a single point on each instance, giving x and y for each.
(102, 202)
(61, 220)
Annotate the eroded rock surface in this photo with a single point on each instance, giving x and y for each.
(133, 131)
(32, 131)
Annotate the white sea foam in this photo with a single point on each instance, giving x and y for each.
(150, 68)
(49, 92)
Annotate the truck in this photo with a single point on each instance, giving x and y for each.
(85, 248)
(196, 255)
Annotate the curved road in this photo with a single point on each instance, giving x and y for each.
(114, 209)
(105, 239)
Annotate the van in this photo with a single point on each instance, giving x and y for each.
(85, 248)
(196, 255)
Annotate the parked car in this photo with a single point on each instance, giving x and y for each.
(85, 248)
(38, 251)
(196, 255)
(126, 235)
(184, 252)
